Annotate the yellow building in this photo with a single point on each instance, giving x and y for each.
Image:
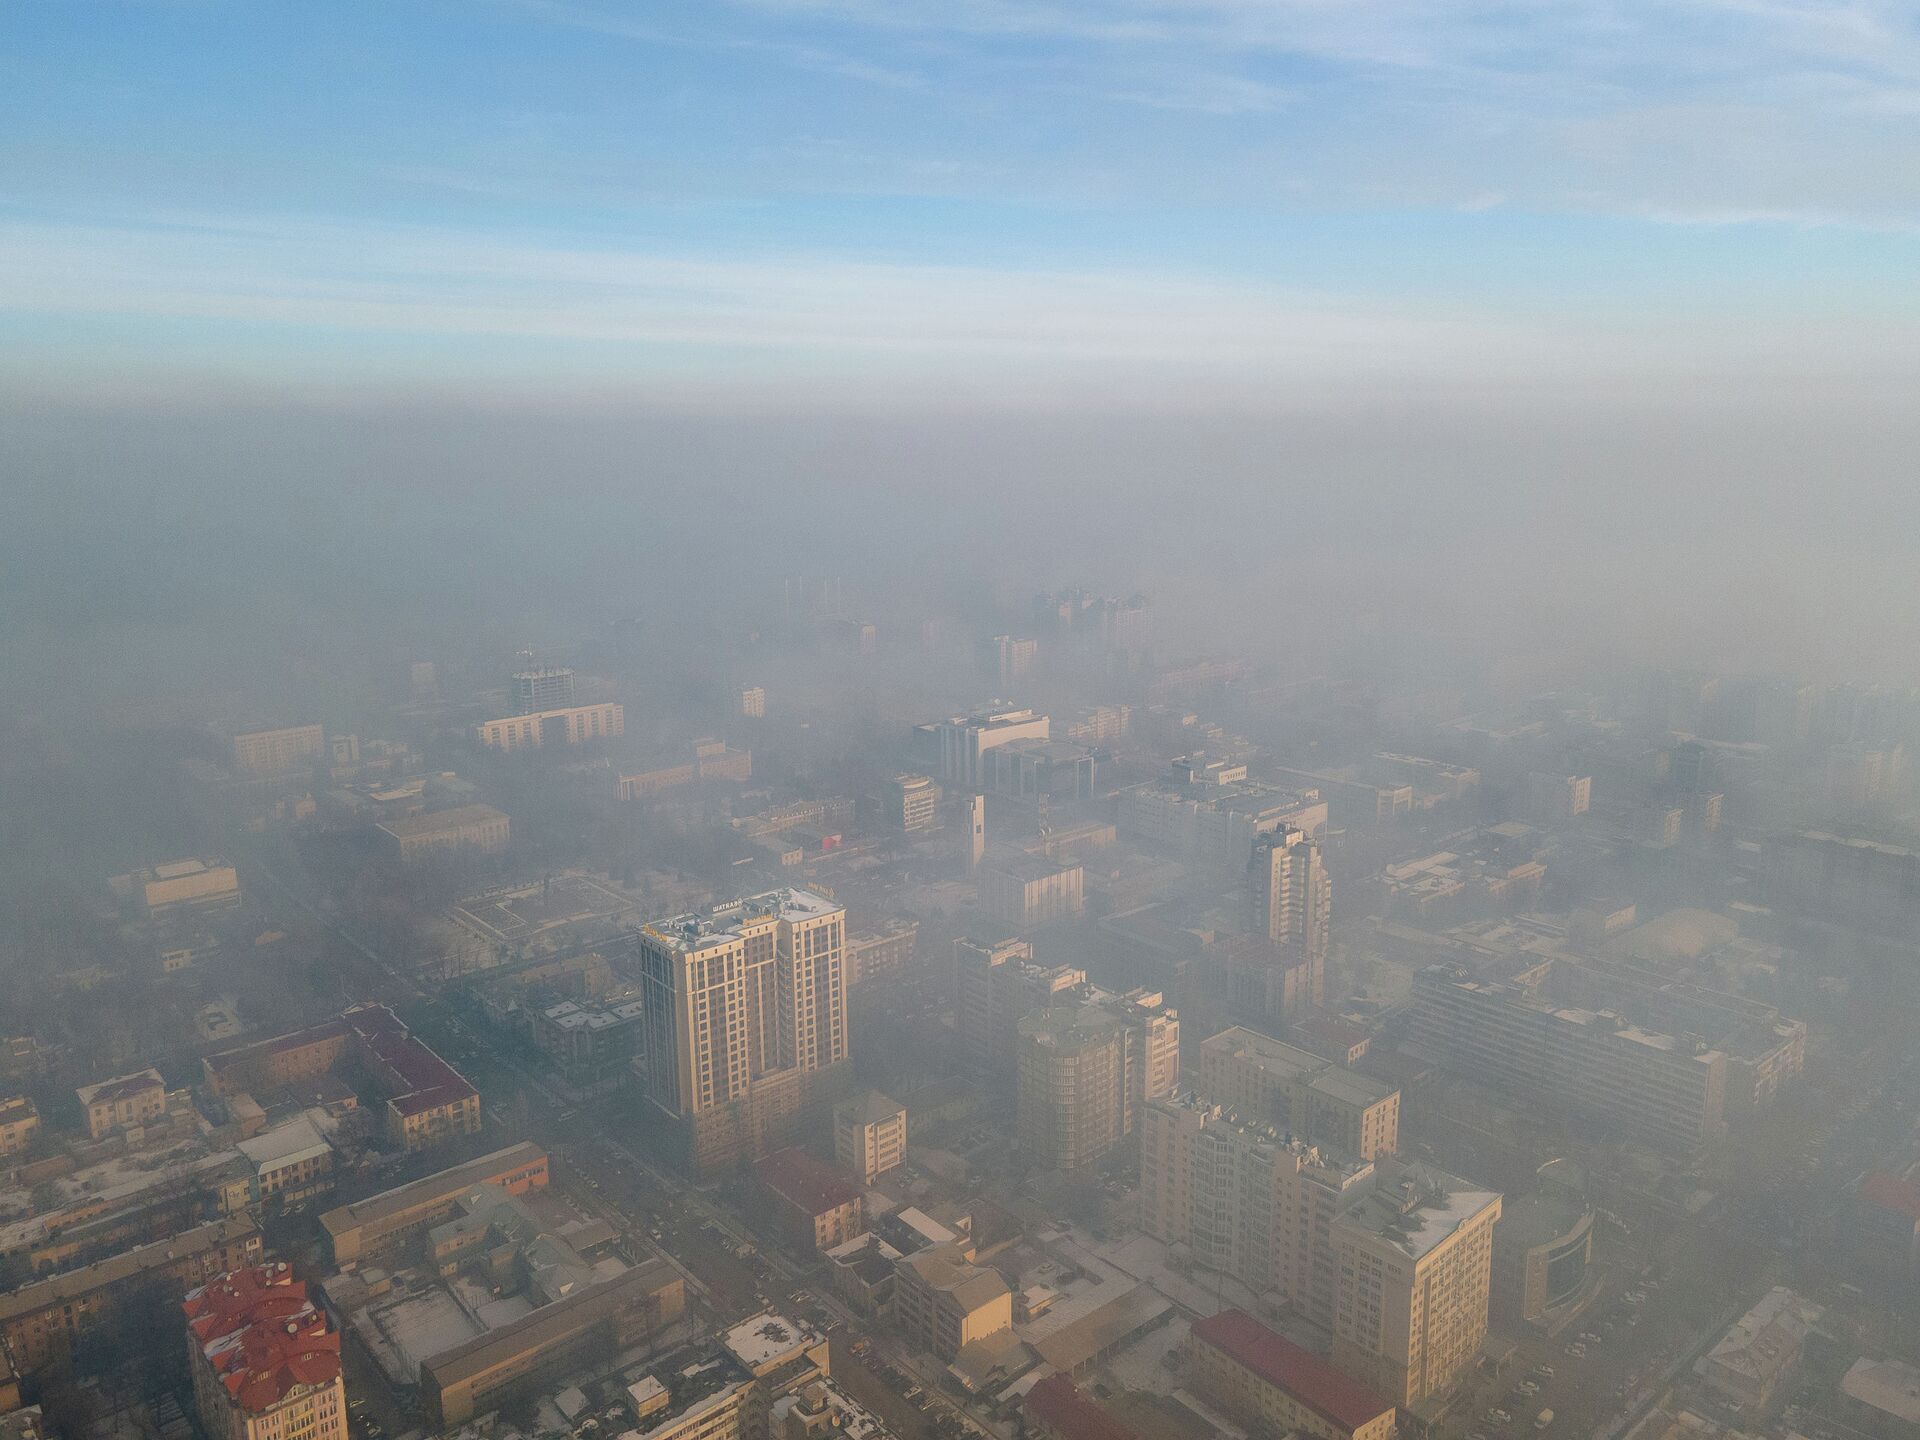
(1419, 1253)
(869, 1135)
(273, 752)
(123, 1103)
(265, 1362)
(1301, 1093)
(19, 1123)
(942, 1302)
(571, 726)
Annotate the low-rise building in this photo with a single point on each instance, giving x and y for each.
(472, 829)
(264, 1360)
(292, 1165)
(863, 1274)
(814, 1206)
(1881, 1398)
(125, 1102)
(275, 752)
(382, 1224)
(880, 951)
(608, 1315)
(19, 1123)
(1269, 1384)
(1056, 1409)
(942, 1301)
(571, 725)
(41, 1321)
(710, 760)
(869, 1135)
(1542, 1246)
(201, 886)
(1759, 1358)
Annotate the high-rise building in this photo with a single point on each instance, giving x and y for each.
(1292, 892)
(869, 1135)
(544, 688)
(1209, 811)
(1666, 1090)
(1304, 1094)
(746, 1007)
(423, 683)
(957, 745)
(569, 725)
(1029, 890)
(1552, 798)
(910, 803)
(976, 830)
(753, 703)
(1415, 1262)
(265, 1362)
(1085, 1068)
(998, 982)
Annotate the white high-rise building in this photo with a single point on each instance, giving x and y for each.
(1292, 892)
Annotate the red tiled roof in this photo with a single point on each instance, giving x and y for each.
(261, 1335)
(798, 1177)
(1057, 1403)
(1328, 1392)
(1891, 1192)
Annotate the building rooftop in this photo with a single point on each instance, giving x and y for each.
(870, 1108)
(1415, 1207)
(413, 826)
(286, 1144)
(767, 1340)
(262, 1336)
(1330, 1393)
(432, 1188)
(1057, 1403)
(117, 1269)
(944, 1268)
(1290, 1062)
(551, 1322)
(810, 1184)
(1892, 1193)
(121, 1087)
(1887, 1386)
(701, 929)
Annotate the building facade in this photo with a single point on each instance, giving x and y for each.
(1301, 1093)
(475, 829)
(1085, 1068)
(572, 725)
(542, 690)
(125, 1102)
(1292, 894)
(264, 1360)
(942, 1301)
(869, 1135)
(274, 752)
(1026, 890)
(1269, 1384)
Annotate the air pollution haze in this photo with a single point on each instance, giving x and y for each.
(832, 720)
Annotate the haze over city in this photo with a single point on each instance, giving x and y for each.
(831, 720)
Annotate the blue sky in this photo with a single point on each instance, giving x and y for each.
(1172, 200)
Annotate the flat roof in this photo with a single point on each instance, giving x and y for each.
(412, 826)
(811, 1184)
(702, 928)
(57, 1289)
(1416, 1207)
(441, 1186)
(548, 1323)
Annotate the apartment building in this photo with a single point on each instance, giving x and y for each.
(746, 1018)
(542, 690)
(264, 1360)
(887, 949)
(125, 1102)
(19, 1123)
(870, 1135)
(41, 1321)
(1246, 1199)
(571, 725)
(383, 1224)
(1415, 1255)
(942, 1301)
(1086, 1066)
(910, 803)
(475, 829)
(1266, 1382)
(274, 752)
(813, 1205)
(1300, 1093)
(1292, 894)
(998, 982)
(1666, 1090)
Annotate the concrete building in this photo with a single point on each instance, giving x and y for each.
(1759, 1358)
(813, 1205)
(709, 759)
(469, 829)
(1301, 1093)
(1666, 1090)
(292, 1165)
(1007, 658)
(589, 1044)
(1292, 894)
(882, 951)
(1032, 770)
(571, 725)
(869, 1135)
(1056, 1409)
(542, 690)
(264, 1360)
(602, 1318)
(1851, 878)
(1418, 1248)
(1246, 1199)
(40, 1322)
(1025, 890)
(997, 983)
(1554, 799)
(1209, 812)
(426, 1099)
(125, 1102)
(1542, 1247)
(1086, 1066)
(753, 703)
(181, 887)
(958, 747)
(943, 1302)
(382, 1225)
(275, 752)
(19, 1123)
(1266, 1382)
(1881, 1398)
(746, 1018)
(910, 803)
